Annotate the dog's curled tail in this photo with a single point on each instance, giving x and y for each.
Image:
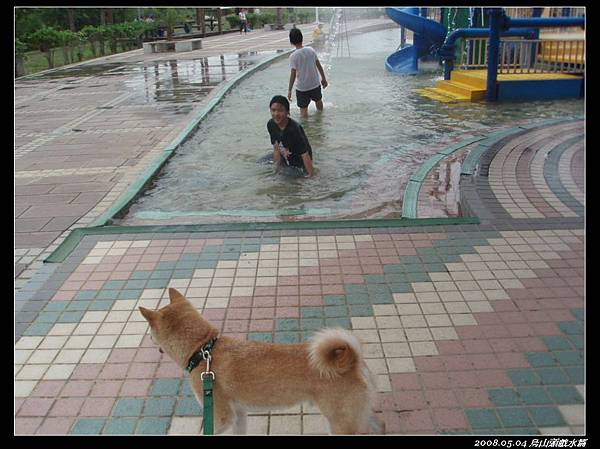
(333, 352)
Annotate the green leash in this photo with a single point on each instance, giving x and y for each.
(207, 386)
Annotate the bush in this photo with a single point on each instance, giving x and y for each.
(234, 21)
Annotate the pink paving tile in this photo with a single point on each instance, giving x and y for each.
(371, 252)
(169, 257)
(35, 406)
(261, 325)
(333, 289)
(416, 420)
(388, 260)
(214, 314)
(435, 380)
(79, 276)
(310, 290)
(148, 355)
(512, 360)
(99, 276)
(393, 423)
(135, 252)
(426, 363)
(486, 318)
(476, 346)
(473, 397)
(237, 335)
(120, 275)
(47, 388)
(351, 269)
(440, 398)
(554, 303)
(18, 403)
(55, 426)
(353, 279)
(106, 388)
(511, 317)
(530, 344)
(494, 331)
(66, 407)
(287, 312)
(450, 419)
(405, 381)
(114, 371)
(503, 345)
(238, 313)
(145, 266)
(93, 285)
(236, 326)
(309, 271)
(288, 290)
(262, 313)
(545, 329)
(494, 378)
(141, 370)
(409, 400)
(422, 243)
(306, 300)
(97, 407)
(469, 332)
(329, 263)
(348, 257)
(381, 237)
(239, 301)
(265, 291)
(111, 260)
(288, 281)
(309, 280)
(27, 426)
(465, 379)
(456, 362)
(385, 402)
(266, 301)
(450, 347)
(283, 301)
(130, 259)
(72, 285)
(372, 269)
(147, 342)
(84, 268)
(374, 260)
(63, 295)
(168, 370)
(87, 371)
(77, 388)
(504, 305)
(437, 235)
(484, 361)
(136, 387)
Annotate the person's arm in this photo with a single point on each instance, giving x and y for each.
(292, 80)
(276, 157)
(324, 82)
(308, 164)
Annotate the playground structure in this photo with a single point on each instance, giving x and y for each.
(534, 54)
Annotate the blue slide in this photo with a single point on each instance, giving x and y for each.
(428, 36)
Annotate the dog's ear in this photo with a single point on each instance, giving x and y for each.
(150, 315)
(175, 296)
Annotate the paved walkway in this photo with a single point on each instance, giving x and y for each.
(472, 328)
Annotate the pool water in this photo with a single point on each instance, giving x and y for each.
(374, 132)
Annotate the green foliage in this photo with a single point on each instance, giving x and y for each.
(68, 38)
(45, 39)
(234, 21)
(20, 47)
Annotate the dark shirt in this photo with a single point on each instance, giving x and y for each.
(293, 138)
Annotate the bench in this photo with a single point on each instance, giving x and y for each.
(180, 45)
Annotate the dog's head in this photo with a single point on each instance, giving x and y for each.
(178, 328)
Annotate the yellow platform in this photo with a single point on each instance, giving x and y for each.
(470, 85)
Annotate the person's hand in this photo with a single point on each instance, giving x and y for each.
(289, 95)
(324, 83)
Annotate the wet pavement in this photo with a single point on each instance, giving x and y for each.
(469, 328)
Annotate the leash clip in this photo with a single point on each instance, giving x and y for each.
(206, 356)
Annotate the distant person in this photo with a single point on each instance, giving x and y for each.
(290, 144)
(186, 28)
(243, 22)
(305, 70)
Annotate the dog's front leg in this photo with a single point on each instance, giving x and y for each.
(240, 423)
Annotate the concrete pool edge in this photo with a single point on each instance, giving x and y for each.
(73, 239)
(411, 193)
(148, 174)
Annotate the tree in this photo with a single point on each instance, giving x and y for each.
(45, 40)
(169, 17)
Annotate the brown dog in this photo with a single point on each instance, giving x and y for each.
(328, 370)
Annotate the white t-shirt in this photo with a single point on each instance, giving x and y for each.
(242, 16)
(304, 60)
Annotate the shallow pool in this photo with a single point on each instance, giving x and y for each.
(372, 120)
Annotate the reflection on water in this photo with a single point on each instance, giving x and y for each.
(374, 132)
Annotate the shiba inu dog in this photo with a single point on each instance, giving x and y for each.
(328, 370)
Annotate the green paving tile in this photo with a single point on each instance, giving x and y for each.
(186, 264)
(373, 289)
(128, 407)
(393, 268)
(287, 337)
(311, 323)
(230, 256)
(537, 359)
(338, 322)
(483, 418)
(56, 306)
(578, 313)
(161, 274)
(361, 311)
(206, 264)
(576, 341)
(97, 305)
(575, 374)
(76, 306)
(185, 388)
(357, 298)
(120, 426)
(552, 376)
(334, 300)
(565, 395)
(287, 325)
(88, 426)
(381, 298)
(504, 396)
(140, 275)
(113, 285)
(183, 274)
(523, 377)
(566, 358)
(165, 265)
(401, 288)
(336, 311)
(38, 329)
(165, 387)
(413, 268)
(396, 278)
(47, 317)
(71, 317)
(159, 407)
(557, 342)
(108, 294)
(514, 417)
(135, 284)
(130, 294)
(85, 295)
(153, 426)
(260, 336)
(546, 416)
(375, 279)
(534, 396)
(311, 312)
(571, 328)
(157, 283)
(435, 268)
(418, 277)
(355, 289)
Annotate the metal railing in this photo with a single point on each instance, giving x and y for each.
(525, 56)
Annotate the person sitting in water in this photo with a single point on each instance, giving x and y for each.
(290, 144)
